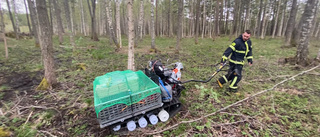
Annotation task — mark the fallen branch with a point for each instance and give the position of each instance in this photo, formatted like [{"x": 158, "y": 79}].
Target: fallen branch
[
  {"x": 27, "y": 119},
  {"x": 76, "y": 101},
  {"x": 227, "y": 124},
  {"x": 47, "y": 133},
  {"x": 229, "y": 106},
  {"x": 268, "y": 79},
  {"x": 1, "y": 112}
]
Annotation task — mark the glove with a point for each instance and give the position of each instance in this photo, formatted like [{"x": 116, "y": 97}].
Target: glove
[{"x": 223, "y": 61}]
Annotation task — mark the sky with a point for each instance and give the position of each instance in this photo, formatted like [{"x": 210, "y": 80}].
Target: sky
[{"x": 19, "y": 3}]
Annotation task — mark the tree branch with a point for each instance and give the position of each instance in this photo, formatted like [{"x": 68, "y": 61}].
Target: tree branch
[{"x": 229, "y": 106}]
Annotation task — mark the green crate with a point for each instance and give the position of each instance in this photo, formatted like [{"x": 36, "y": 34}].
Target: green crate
[{"x": 122, "y": 87}]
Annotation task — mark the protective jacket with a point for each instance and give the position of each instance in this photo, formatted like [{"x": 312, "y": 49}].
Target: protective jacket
[{"x": 239, "y": 49}]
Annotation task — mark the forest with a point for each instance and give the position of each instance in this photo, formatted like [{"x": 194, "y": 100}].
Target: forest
[{"x": 51, "y": 52}]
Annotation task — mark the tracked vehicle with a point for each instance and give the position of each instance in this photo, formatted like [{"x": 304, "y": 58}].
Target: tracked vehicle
[{"x": 131, "y": 99}]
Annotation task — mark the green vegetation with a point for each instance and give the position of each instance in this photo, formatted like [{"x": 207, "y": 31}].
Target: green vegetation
[{"x": 292, "y": 109}]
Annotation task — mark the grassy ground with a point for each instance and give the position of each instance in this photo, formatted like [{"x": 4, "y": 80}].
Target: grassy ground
[{"x": 292, "y": 109}]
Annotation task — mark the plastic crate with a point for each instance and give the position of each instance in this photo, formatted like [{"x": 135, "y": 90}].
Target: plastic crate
[
  {"x": 121, "y": 87},
  {"x": 114, "y": 113},
  {"x": 149, "y": 103}
]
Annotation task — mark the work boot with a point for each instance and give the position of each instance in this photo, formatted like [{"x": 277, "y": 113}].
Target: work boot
[
  {"x": 220, "y": 85},
  {"x": 232, "y": 90}
]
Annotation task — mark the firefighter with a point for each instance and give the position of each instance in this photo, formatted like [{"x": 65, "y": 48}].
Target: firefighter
[{"x": 239, "y": 49}]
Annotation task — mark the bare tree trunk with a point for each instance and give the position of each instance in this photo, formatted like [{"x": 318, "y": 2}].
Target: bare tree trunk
[
  {"x": 111, "y": 31},
  {"x": 141, "y": 14},
  {"x": 94, "y": 35},
  {"x": 258, "y": 29},
  {"x": 16, "y": 15},
  {"x": 282, "y": 18},
  {"x": 303, "y": 48},
  {"x": 59, "y": 21},
  {"x": 248, "y": 14},
  {"x": 317, "y": 31},
  {"x": 216, "y": 19},
  {"x": 68, "y": 18},
  {"x": 314, "y": 19},
  {"x": 82, "y": 19},
  {"x": 72, "y": 18},
  {"x": 235, "y": 14},
  {"x": 276, "y": 19},
  {"x": 197, "y": 21},
  {"x": 131, "y": 64},
  {"x": 118, "y": 23},
  {"x": 50, "y": 15},
  {"x": 318, "y": 56},
  {"x": 3, "y": 33},
  {"x": 169, "y": 20},
  {"x": 227, "y": 17},
  {"x": 291, "y": 23},
  {"x": 180, "y": 12},
  {"x": 265, "y": 19},
  {"x": 204, "y": 17},
  {"x": 152, "y": 26},
  {"x": 45, "y": 36},
  {"x": 34, "y": 22},
  {"x": 190, "y": 18},
  {"x": 210, "y": 23},
  {"x": 221, "y": 23},
  {"x": 27, "y": 14},
  {"x": 12, "y": 21},
  {"x": 156, "y": 23}
]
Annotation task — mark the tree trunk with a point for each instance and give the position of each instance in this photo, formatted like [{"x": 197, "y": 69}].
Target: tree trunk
[
  {"x": 291, "y": 22},
  {"x": 45, "y": 36},
  {"x": 216, "y": 19},
  {"x": 180, "y": 16},
  {"x": 68, "y": 18},
  {"x": 131, "y": 64},
  {"x": 204, "y": 17},
  {"x": 169, "y": 19},
  {"x": 50, "y": 14},
  {"x": 152, "y": 26},
  {"x": 265, "y": 19},
  {"x": 258, "y": 29},
  {"x": 27, "y": 14},
  {"x": 111, "y": 31},
  {"x": 59, "y": 21},
  {"x": 34, "y": 22},
  {"x": 221, "y": 23},
  {"x": 314, "y": 19},
  {"x": 227, "y": 17},
  {"x": 156, "y": 23},
  {"x": 282, "y": 18},
  {"x": 190, "y": 18},
  {"x": 317, "y": 31},
  {"x": 235, "y": 19},
  {"x": 12, "y": 21},
  {"x": 276, "y": 19},
  {"x": 83, "y": 28},
  {"x": 303, "y": 48},
  {"x": 197, "y": 21},
  {"x": 3, "y": 33},
  {"x": 139, "y": 36},
  {"x": 118, "y": 23},
  {"x": 248, "y": 13},
  {"x": 318, "y": 56},
  {"x": 72, "y": 11},
  {"x": 16, "y": 16},
  {"x": 94, "y": 35}
]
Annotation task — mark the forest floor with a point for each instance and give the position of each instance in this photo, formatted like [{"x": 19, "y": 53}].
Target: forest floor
[{"x": 291, "y": 109}]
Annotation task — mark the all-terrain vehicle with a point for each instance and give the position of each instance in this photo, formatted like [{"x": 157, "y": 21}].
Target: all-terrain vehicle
[{"x": 127, "y": 98}]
